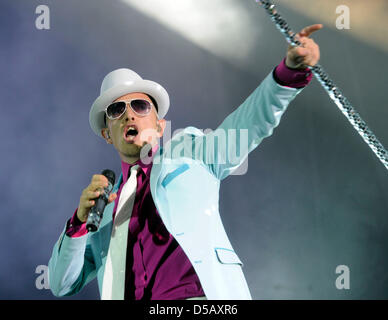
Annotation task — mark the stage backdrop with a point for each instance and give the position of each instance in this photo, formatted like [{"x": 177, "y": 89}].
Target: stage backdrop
[{"x": 314, "y": 197}]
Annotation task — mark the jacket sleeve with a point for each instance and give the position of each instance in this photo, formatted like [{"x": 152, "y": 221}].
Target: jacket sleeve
[
  {"x": 224, "y": 149},
  {"x": 71, "y": 265}
]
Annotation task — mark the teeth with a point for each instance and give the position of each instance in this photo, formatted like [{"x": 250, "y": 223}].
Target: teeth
[{"x": 129, "y": 129}]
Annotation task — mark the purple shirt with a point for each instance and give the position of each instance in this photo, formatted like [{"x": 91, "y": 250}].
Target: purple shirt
[
  {"x": 157, "y": 267},
  {"x": 291, "y": 77}
]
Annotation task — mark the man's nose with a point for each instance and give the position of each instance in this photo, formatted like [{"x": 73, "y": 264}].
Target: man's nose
[{"x": 129, "y": 114}]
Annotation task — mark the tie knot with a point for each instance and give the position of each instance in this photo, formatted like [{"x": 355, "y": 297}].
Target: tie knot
[{"x": 134, "y": 169}]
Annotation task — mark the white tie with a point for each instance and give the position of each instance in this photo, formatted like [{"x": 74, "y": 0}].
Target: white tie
[{"x": 113, "y": 284}]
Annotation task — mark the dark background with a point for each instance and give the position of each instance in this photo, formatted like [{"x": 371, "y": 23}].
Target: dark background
[{"x": 314, "y": 196}]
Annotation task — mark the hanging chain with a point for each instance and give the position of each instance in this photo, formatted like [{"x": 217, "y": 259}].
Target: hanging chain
[{"x": 334, "y": 92}]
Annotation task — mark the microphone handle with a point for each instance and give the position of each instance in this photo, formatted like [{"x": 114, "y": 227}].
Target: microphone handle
[{"x": 96, "y": 212}]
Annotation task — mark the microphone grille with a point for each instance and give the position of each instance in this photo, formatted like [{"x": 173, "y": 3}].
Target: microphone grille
[{"x": 110, "y": 175}]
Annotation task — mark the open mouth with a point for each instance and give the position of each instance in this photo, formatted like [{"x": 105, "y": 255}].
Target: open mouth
[{"x": 130, "y": 132}]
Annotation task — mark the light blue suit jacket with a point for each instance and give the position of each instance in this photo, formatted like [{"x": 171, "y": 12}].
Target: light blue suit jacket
[{"x": 185, "y": 181}]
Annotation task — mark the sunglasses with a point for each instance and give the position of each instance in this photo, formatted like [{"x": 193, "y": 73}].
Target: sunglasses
[{"x": 116, "y": 109}]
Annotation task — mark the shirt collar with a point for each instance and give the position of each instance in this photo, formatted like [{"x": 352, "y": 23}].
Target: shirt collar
[{"x": 126, "y": 167}]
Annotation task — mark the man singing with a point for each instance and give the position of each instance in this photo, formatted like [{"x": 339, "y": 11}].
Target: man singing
[{"x": 161, "y": 236}]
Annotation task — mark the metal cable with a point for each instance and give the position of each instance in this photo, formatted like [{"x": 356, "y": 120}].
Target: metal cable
[{"x": 334, "y": 92}]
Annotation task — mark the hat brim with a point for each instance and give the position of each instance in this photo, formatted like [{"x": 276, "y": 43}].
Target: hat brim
[{"x": 96, "y": 114}]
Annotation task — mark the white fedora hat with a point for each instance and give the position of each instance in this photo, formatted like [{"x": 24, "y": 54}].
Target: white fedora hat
[{"x": 118, "y": 83}]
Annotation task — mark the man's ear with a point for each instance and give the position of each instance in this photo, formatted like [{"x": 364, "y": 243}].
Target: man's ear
[
  {"x": 106, "y": 135},
  {"x": 160, "y": 126}
]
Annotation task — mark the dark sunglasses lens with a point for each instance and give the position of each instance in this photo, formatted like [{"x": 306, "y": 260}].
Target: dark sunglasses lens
[
  {"x": 141, "y": 106},
  {"x": 116, "y": 109}
]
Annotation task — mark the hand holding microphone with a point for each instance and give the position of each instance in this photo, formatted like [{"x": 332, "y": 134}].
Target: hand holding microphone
[{"x": 95, "y": 197}]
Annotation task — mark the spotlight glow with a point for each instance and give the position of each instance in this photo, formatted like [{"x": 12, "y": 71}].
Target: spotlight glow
[{"x": 219, "y": 26}]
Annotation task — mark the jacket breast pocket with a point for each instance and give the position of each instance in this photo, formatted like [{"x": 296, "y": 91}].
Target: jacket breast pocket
[
  {"x": 227, "y": 256},
  {"x": 172, "y": 175}
]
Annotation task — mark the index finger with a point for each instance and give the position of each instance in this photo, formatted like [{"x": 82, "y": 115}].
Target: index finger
[
  {"x": 96, "y": 185},
  {"x": 99, "y": 177},
  {"x": 305, "y": 32}
]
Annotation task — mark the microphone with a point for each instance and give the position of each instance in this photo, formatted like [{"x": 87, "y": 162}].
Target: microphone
[{"x": 95, "y": 214}]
